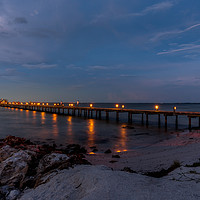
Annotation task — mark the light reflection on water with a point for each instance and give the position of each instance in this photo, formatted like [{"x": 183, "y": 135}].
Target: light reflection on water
[
  {"x": 55, "y": 125},
  {"x": 43, "y": 117},
  {"x": 64, "y": 129},
  {"x": 91, "y": 132}
]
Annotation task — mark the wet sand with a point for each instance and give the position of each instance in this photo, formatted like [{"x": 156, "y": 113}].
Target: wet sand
[{"x": 184, "y": 148}]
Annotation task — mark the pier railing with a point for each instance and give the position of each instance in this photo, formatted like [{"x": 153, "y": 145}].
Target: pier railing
[{"x": 94, "y": 112}]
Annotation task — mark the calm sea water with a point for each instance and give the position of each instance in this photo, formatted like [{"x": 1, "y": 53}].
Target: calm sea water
[{"x": 62, "y": 129}]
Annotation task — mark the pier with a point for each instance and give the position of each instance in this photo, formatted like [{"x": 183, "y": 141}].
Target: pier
[{"x": 96, "y": 113}]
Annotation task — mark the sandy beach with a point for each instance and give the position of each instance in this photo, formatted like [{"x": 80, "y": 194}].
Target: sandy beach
[{"x": 184, "y": 148}]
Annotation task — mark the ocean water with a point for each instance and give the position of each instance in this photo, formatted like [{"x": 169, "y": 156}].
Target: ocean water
[{"x": 63, "y": 129}]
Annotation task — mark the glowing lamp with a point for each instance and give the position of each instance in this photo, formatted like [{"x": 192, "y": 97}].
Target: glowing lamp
[
  {"x": 47, "y": 104},
  {"x": 156, "y": 107},
  {"x": 54, "y": 104},
  {"x": 122, "y": 106},
  {"x": 21, "y": 103},
  {"x": 174, "y": 108},
  {"x": 91, "y": 105},
  {"x": 117, "y": 105},
  {"x": 43, "y": 104}
]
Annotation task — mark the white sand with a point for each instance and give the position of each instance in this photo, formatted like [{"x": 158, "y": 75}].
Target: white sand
[{"x": 99, "y": 182}]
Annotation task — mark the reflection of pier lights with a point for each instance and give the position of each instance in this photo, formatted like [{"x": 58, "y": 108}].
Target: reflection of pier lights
[
  {"x": 34, "y": 114},
  {"x": 43, "y": 117},
  {"x": 69, "y": 128},
  {"x": 55, "y": 125},
  {"x": 123, "y": 138},
  {"x": 91, "y": 132},
  {"x": 54, "y": 117}
]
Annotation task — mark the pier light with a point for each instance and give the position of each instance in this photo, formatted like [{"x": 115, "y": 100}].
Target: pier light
[
  {"x": 47, "y": 104},
  {"x": 43, "y": 104},
  {"x": 117, "y": 105},
  {"x": 21, "y": 103},
  {"x": 38, "y": 104},
  {"x": 122, "y": 106},
  {"x": 26, "y": 103},
  {"x": 57, "y": 104},
  {"x": 174, "y": 108},
  {"x": 91, "y": 105},
  {"x": 54, "y": 104},
  {"x": 156, "y": 107}
]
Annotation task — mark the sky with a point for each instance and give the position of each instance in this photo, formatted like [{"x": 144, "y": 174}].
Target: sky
[{"x": 100, "y": 50}]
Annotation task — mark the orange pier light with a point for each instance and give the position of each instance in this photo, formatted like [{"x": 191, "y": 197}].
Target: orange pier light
[{"x": 156, "y": 107}]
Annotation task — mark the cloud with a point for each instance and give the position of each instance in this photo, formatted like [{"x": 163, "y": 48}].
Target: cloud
[
  {"x": 127, "y": 75},
  {"x": 8, "y": 72},
  {"x": 181, "y": 48},
  {"x": 72, "y": 66},
  {"x": 98, "y": 67},
  {"x": 173, "y": 32},
  {"x": 150, "y": 9},
  {"x": 39, "y": 66},
  {"x": 20, "y": 20},
  {"x": 34, "y": 13}
]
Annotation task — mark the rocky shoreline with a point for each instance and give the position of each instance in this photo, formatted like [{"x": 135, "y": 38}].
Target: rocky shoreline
[
  {"x": 24, "y": 164},
  {"x": 30, "y": 171}
]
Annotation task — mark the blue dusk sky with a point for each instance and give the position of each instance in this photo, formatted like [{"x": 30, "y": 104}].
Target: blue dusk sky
[{"x": 100, "y": 50}]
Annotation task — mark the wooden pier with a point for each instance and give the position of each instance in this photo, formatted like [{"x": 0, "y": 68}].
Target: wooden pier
[{"x": 94, "y": 112}]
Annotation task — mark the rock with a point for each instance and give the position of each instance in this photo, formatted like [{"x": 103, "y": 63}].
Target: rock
[
  {"x": 112, "y": 161},
  {"x": 13, "y": 141},
  {"x": 75, "y": 149},
  {"x": 128, "y": 169},
  {"x": 93, "y": 147},
  {"x": 50, "y": 162},
  {"x": 95, "y": 150},
  {"x": 13, "y": 195},
  {"x": 14, "y": 168},
  {"x": 6, "y": 151},
  {"x": 47, "y": 164},
  {"x": 5, "y": 190},
  {"x": 115, "y": 156},
  {"x": 108, "y": 151}
]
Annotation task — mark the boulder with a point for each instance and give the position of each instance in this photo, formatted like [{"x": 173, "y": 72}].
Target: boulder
[
  {"x": 6, "y": 151},
  {"x": 13, "y": 170},
  {"x": 48, "y": 164},
  {"x": 51, "y": 161},
  {"x": 13, "y": 195}
]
